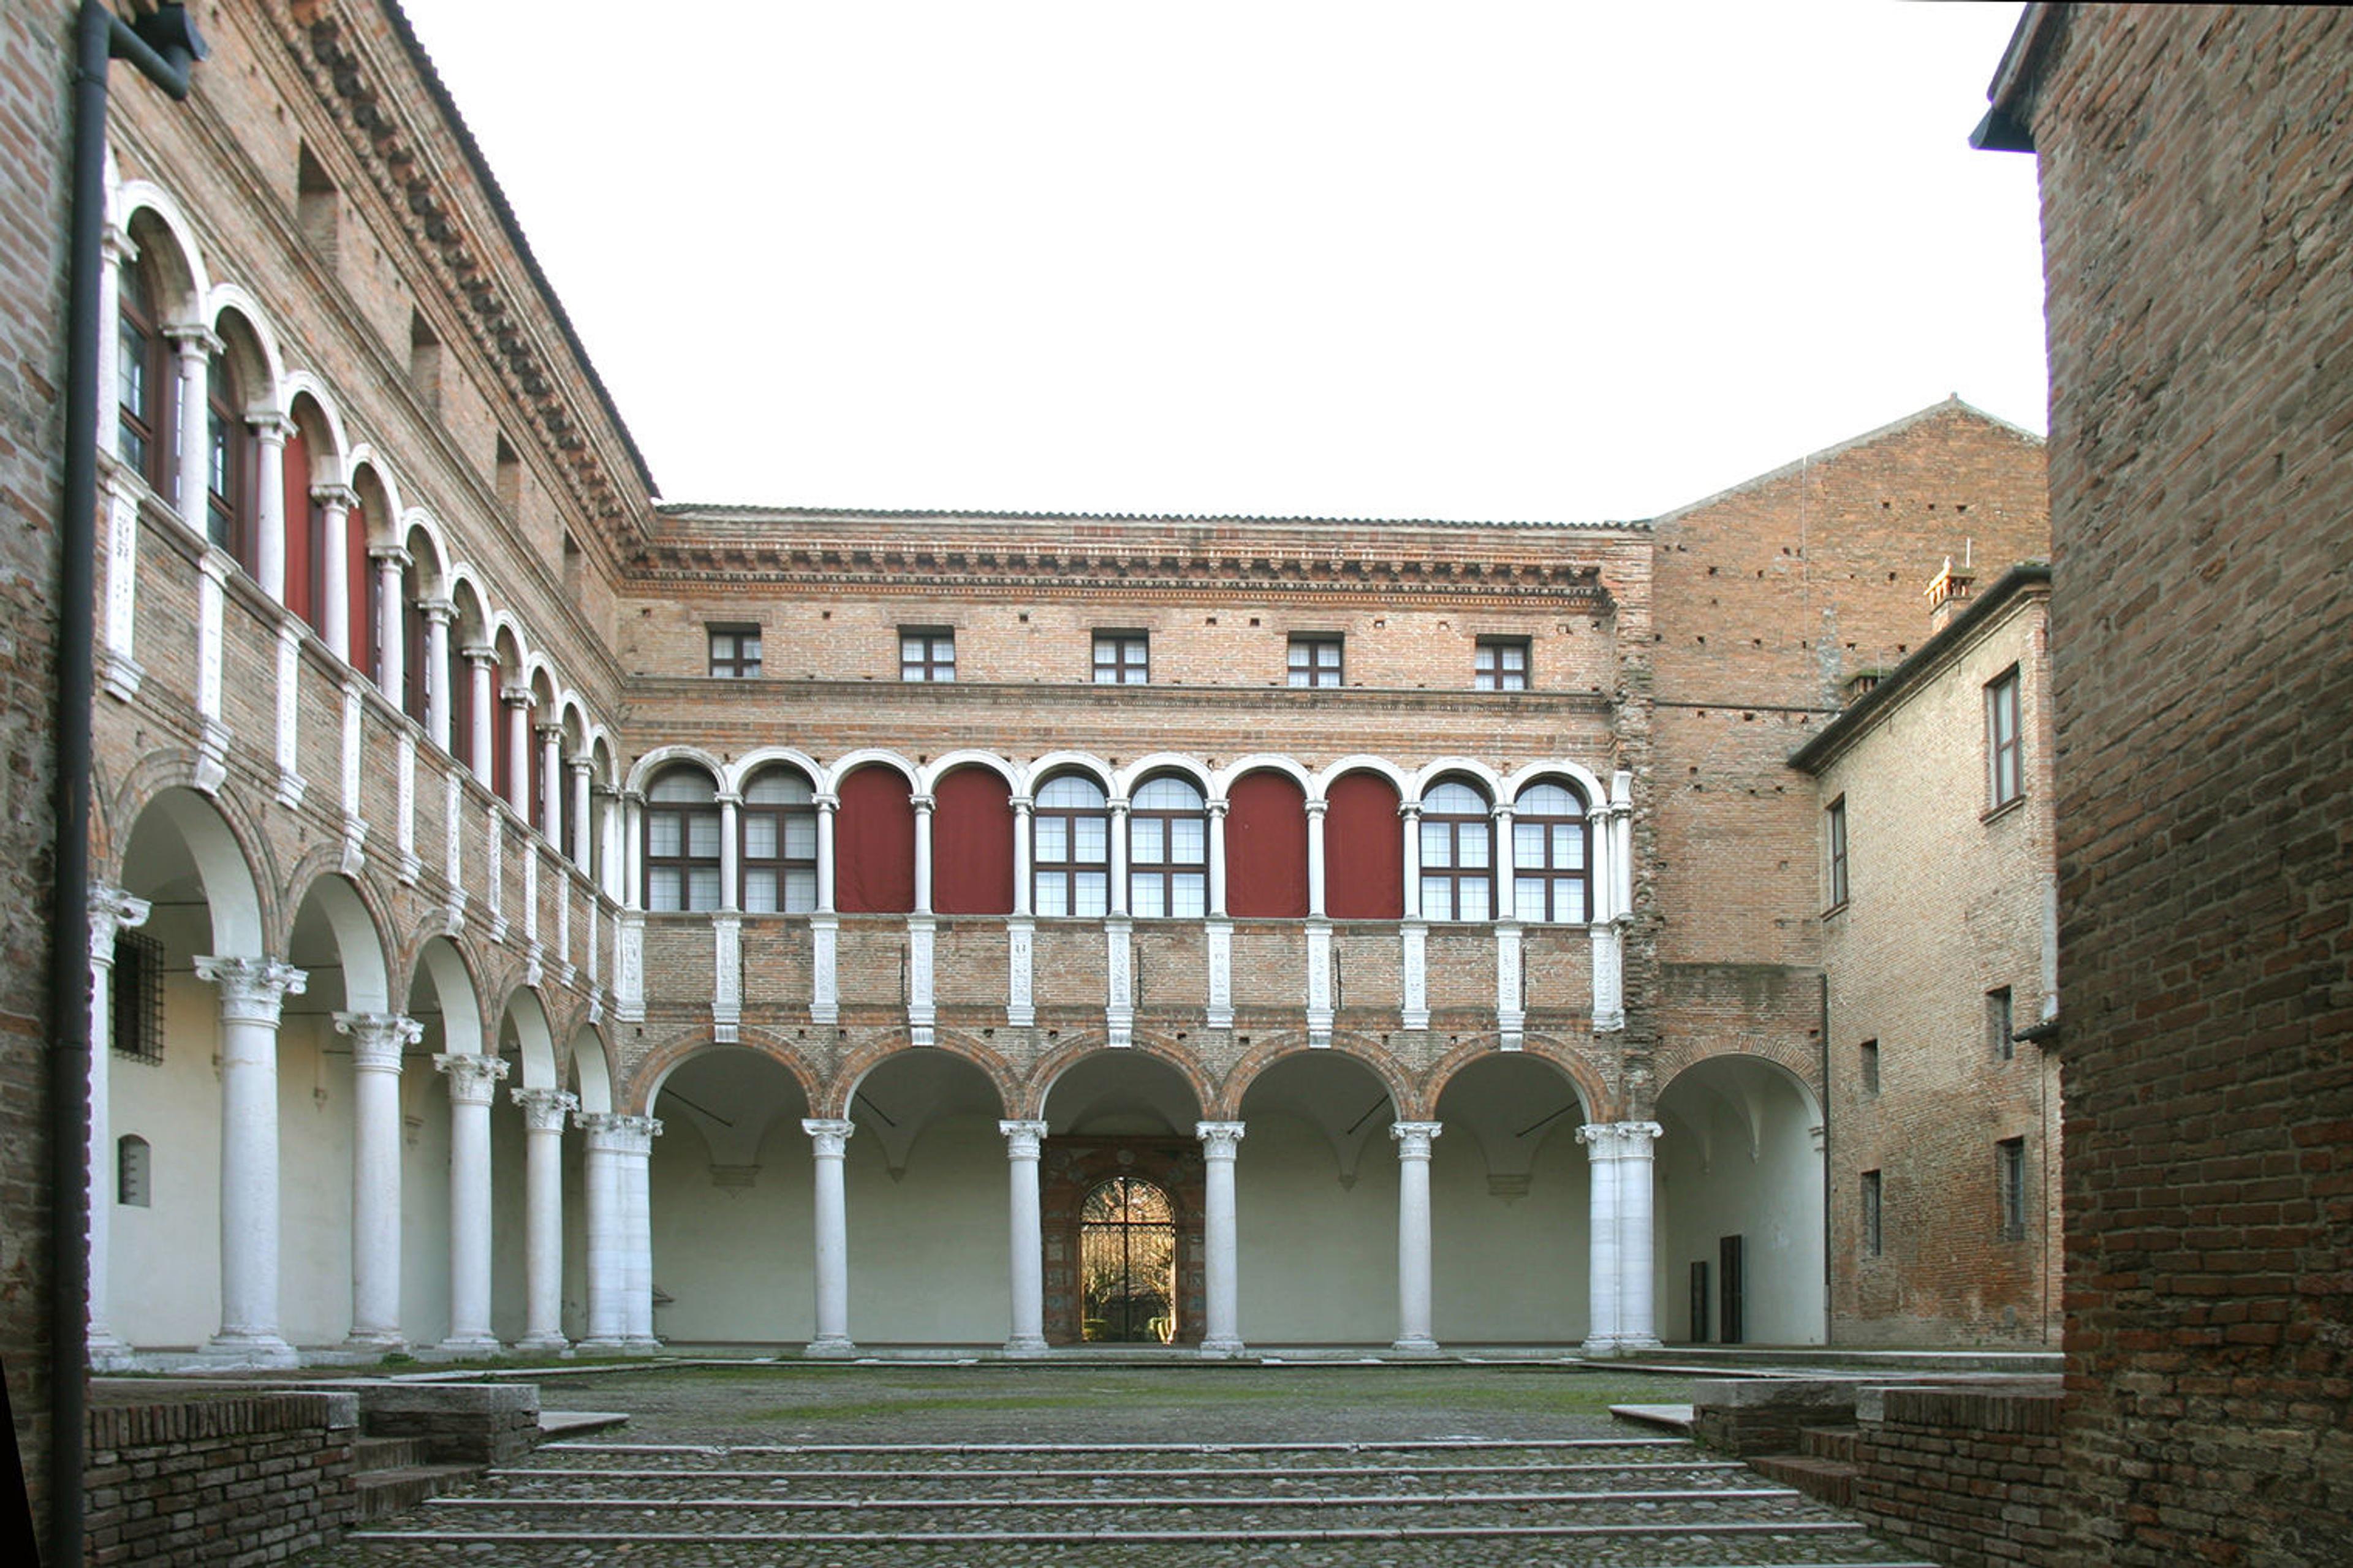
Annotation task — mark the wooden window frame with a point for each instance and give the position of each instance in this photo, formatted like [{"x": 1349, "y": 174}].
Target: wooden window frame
[
  {"x": 780, "y": 864},
  {"x": 2005, "y": 745},
  {"x": 1875, "y": 1215},
  {"x": 1122, "y": 659},
  {"x": 1554, "y": 879},
  {"x": 921, "y": 656},
  {"x": 1453, "y": 873},
  {"x": 229, "y": 514},
  {"x": 1165, "y": 873},
  {"x": 735, "y": 664},
  {"x": 1067, "y": 869},
  {"x": 685, "y": 862},
  {"x": 1304, "y": 663},
  {"x": 1489, "y": 669},
  {"x": 1836, "y": 827},
  {"x": 146, "y": 418},
  {"x": 2000, "y": 1020}
]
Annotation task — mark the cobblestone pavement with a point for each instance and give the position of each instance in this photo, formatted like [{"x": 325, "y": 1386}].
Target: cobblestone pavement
[{"x": 1075, "y": 1465}]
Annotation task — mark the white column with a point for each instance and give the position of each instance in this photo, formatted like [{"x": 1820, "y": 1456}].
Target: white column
[
  {"x": 377, "y": 1041},
  {"x": 335, "y": 503},
  {"x": 1637, "y": 1319},
  {"x": 830, "y": 1140},
  {"x": 1600, "y": 1140},
  {"x": 1220, "y": 1262},
  {"x": 269, "y": 434},
  {"x": 115, "y": 245},
  {"x": 1413, "y": 1140},
  {"x": 472, "y": 1081},
  {"x": 519, "y": 700},
  {"x": 608, "y": 1325},
  {"x": 1118, "y": 820},
  {"x": 633, "y": 1179},
  {"x": 479, "y": 660},
  {"x": 730, "y": 874},
  {"x": 1315, "y": 895},
  {"x": 827, "y": 804},
  {"x": 1621, "y": 840},
  {"x": 923, "y": 804},
  {"x": 392, "y": 563},
  {"x": 193, "y": 348},
  {"x": 632, "y": 892},
  {"x": 583, "y": 824},
  {"x": 551, "y": 784},
  {"x": 1023, "y": 888},
  {"x": 1020, "y": 935},
  {"x": 1217, "y": 858},
  {"x": 111, "y": 911},
  {"x": 252, "y": 991},
  {"x": 213, "y": 569},
  {"x": 1028, "y": 1244},
  {"x": 438, "y": 613},
  {"x": 544, "y": 1111},
  {"x": 1410, "y": 814}
]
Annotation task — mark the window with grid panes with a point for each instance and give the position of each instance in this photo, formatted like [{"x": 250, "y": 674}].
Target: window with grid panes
[
  {"x": 1069, "y": 843},
  {"x": 228, "y": 485},
  {"x": 1999, "y": 1025},
  {"x": 926, "y": 654},
  {"x": 1835, "y": 822},
  {"x": 1500, "y": 664},
  {"x": 1315, "y": 660},
  {"x": 1874, "y": 1237},
  {"x": 1458, "y": 861},
  {"x": 1169, "y": 851},
  {"x": 2009, "y": 1172},
  {"x": 142, "y": 378},
  {"x": 778, "y": 826},
  {"x": 2005, "y": 779},
  {"x": 1122, "y": 658},
  {"x": 734, "y": 652},
  {"x": 683, "y": 843},
  {"x": 1549, "y": 845}
]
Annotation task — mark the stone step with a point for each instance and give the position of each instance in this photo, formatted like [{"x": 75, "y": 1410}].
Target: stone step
[
  {"x": 1827, "y": 1443},
  {"x": 390, "y": 1491},
  {"x": 1825, "y": 1480},
  {"x": 387, "y": 1453}
]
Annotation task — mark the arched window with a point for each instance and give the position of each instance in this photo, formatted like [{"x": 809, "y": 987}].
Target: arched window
[
  {"x": 1548, "y": 860},
  {"x": 1071, "y": 842},
  {"x": 142, "y": 378},
  {"x": 972, "y": 844},
  {"x": 683, "y": 842},
  {"x": 228, "y": 481},
  {"x": 1458, "y": 862},
  {"x": 1364, "y": 853},
  {"x": 134, "y": 1176},
  {"x": 778, "y": 824},
  {"x": 1266, "y": 846},
  {"x": 1169, "y": 851}
]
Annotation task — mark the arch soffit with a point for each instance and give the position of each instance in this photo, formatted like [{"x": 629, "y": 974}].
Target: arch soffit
[
  {"x": 229, "y": 298},
  {"x": 1404, "y": 1098},
  {"x": 1310, "y": 785},
  {"x": 444, "y": 965},
  {"x": 1592, "y": 1092},
  {"x": 465, "y": 585},
  {"x": 929, "y": 775},
  {"x": 732, "y": 779},
  {"x": 1360, "y": 763},
  {"x": 863, "y": 1063},
  {"x": 502, "y": 626},
  {"x": 1038, "y": 1086},
  {"x": 1444, "y": 767},
  {"x": 1038, "y": 772},
  {"x": 356, "y": 917},
  {"x": 365, "y": 457},
  {"x": 533, "y": 1033},
  {"x": 432, "y": 561},
  {"x": 299, "y": 386},
  {"x": 133, "y": 197},
  {"x": 643, "y": 1087},
  {"x": 1796, "y": 1080},
  {"x": 594, "y": 1068},
  {"x": 222, "y": 837},
  {"x": 850, "y": 762},
  {"x": 538, "y": 674},
  {"x": 642, "y": 772},
  {"x": 1189, "y": 769},
  {"x": 1587, "y": 785}
]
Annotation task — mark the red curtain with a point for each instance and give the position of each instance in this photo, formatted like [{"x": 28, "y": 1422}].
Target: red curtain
[
  {"x": 412, "y": 672},
  {"x": 361, "y": 586},
  {"x": 875, "y": 845},
  {"x": 972, "y": 844},
  {"x": 1266, "y": 846},
  {"x": 1364, "y": 850},
  {"x": 460, "y": 676},
  {"x": 300, "y": 555},
  {"x": 501, "y": 745}
]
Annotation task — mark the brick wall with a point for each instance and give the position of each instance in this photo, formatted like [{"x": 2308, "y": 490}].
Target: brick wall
[
  {"x": 256, "y": 1478},
  {"x": 1968, "y": 1477},
  {"x": 2194, "y": 164}
]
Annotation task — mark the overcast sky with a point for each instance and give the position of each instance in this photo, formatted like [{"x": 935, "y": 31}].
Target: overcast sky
[{"x": 1283, "y": 256}]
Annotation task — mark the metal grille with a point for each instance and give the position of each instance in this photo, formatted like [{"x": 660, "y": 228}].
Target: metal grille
[
  {"x": 138, "y": 996},
  {"x": 1128, "y": 1260}
]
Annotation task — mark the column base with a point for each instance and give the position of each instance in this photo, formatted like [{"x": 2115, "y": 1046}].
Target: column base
[
  {"x": 833, "y": 1347},
  {"x": 470, "y": 1345},
  {"x": 1415, "y": 1344},
  {"x": 602, "y": 1344},
  {"x": 1218, "y": 1350},
  {"x": 543, "y": 1345},
  {"x": 250, "y": 1350},
  {"x": 108, "y": 1353},
  {"x": 374, "y": 1342},
  {"x": 1026, "y": 1345},
  {"x": 640, "y": 1344},
  {"x": 1620, "y": 1344}
]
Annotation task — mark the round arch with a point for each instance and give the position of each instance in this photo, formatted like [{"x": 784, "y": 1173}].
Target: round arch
[
  {"x": 929, "y": 775},
  {"x": 1190, "y": 769}
]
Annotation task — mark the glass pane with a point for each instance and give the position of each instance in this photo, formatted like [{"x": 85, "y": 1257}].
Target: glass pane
[
  {"x": 662, "y": 888},
  {"x": 1436, "y": 899},
  {"x": 674, "y": 787},
  {"x": 722, "y": 644},
  {"x": 1144, "y": 837},
  {"x": 760, "y": 892},
  {"x": 1452, "y": 799},
  {"x": 1070, "y": 790},
  {"x": 1191, "y": 838},
  {"x": 1528, "y": 845},
  {"x": 1476, "y": 903},
  {"x": 1568, "y": 898},
  {"x": 760, "y": 836},
  {"x": 776, "y": 787},
  {"x": 1091, "y": 840},
  {"x": 1548, "y": 800},
  {"x": 944, "y": 650},
  {"x": 702, "y": 888},
  {"x": 702, "y": 836},
  {"x": 748, "y": 649},
  {"x": 1528, "y": 898},
  {"x": 1189, "y": 896},
  {"x": 1094, "y": 893},
  {"x": 1471, "y": 836},
  {"x": 1301, "y": 678},
  {"x": 800, "y": 892},
  {"x": 800, "y": 837},
  {"x": 1054, "y": 838},
  {"x": 1483, "y": 658},
  {"x": 1169, "y": 794},
  {"x": 1143, "y": 897},
  {"x": 1302, "y": 655},
  {"x": 1327, "y": 656},
  {"x": 1567, "y": 847},
  {"x": 1053, "y": 894},
  {"x": 663, "y": 833},
  {"x": 1437, "y": 844},
  {"x": 1516, "y": 655}
]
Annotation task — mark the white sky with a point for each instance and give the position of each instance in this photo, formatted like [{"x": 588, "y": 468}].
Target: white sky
[{"x": 1270, "y": 257}]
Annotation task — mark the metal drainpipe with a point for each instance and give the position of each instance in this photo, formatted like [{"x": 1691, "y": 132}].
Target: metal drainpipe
[{"x": 164, "y": 46}]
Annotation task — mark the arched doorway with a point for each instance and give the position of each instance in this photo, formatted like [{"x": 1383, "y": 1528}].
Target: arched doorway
[
  {"x": 1115, "y": 1116},
  {"x": 1740, "y": 1205},
  {"x": 1127, "y": 1263}
]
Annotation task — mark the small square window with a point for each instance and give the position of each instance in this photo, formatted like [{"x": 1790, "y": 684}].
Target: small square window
[
  {"x": 1873, "y": 1234},
  {"x": 1836, "y": 825},
  {"x": 1870, "y": 1067},
  {"x": 1500, "y": 664},
  {"x": 927, "y": 653},
  {"x": 734, "y": 652},
  {"x": 2005, "y": 776},
  {"x": 1999, "y": 1025},
  {"x": 1122, "y": 659},
  {"x": 2009, "y": 1174},
  {"x": 1314, "y": 660}
]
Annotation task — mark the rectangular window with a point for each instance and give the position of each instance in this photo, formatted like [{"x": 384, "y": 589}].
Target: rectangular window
[
  {"x": 1122, "y": 658},
  {"x": 1874, "y": 1236},
  {"x": 926, "y": 653},
  {"x": 1500, "y": 664},
  {"x": 1870, "y": 1067},
  {"x": 1998, "y": 1024},
  {"x": 1837, "y": 826},
  {"x": 1314, "y": 660},
  {"x": 734, "y": 652},
  {"x": 138, "y": 996},
  {"x": 2005, "y": 781},
  {"x": 2009, "y": 1174}
]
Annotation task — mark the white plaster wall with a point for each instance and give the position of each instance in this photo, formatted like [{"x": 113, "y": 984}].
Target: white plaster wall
[
  {"x": 165, "y": 1258},
  {"x": 736, "y": 1260},
  {"x": 1509, "y": 1270},
  {"x": 1318, "y": 1260},
  {"x": 314, "y": 1181},
  {"x": 424, "y": 1196},
  {"x": 1710, "y": 1187},
  {"x": 576, "y": 1233},
  {"x": 928, "y": 1251},
  {"x": 508, "y": 1211}
]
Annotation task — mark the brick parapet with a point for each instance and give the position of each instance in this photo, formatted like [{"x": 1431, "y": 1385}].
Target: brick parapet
[{"x": 236, "y": 1478}]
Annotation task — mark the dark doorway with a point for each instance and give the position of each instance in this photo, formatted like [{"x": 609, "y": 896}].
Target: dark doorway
[
  {"x": 1731, "y": 1288},
  {"x": 1127, "y": 1263},
  {"x": 1699, "y": 1301}
]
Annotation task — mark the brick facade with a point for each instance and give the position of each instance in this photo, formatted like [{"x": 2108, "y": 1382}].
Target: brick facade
[
  {"x": 2193, "y": 165},
  {"x": 252, "y": 1478}
]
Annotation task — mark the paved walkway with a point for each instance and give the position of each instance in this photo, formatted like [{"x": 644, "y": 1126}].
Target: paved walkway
[{"x": 1314, "y": 1466}]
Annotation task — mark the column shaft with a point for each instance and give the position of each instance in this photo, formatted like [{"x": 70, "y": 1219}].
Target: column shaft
[
  {"x": 544, "y": 1111},
  {"x": 1413, "y": 1140},
  {"x": 830, "y": 1139},
  {"x": 1028, "y": 1239},
  {"x": 252, "y": 991},
  {"x": 377, "y": 1041},
  {"x": 1220, "y": 1262},
  {"x": 472, "y": 1081}
]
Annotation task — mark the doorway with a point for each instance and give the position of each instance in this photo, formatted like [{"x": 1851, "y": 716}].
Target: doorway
[{"x": 1127, "y": 1263}]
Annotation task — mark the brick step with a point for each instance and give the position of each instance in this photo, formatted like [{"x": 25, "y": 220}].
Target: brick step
[
  {"x": 388, "y": 1491},
  {"x": 387, "y": 1453},
  {"x": 1824, "y": 1481},
  {"x": 1827, "y": 1443}
]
